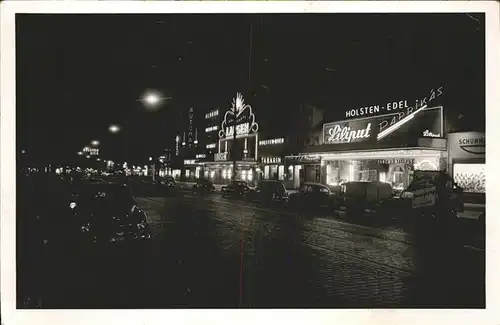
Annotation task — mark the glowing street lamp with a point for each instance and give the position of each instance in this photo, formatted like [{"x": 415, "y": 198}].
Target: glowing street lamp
[
  {"x": 114, "y": 128},
  {"x": 95, "y": 143},
  {"x": 153, "y": 99},
  {"x": 80, "y": 153}
]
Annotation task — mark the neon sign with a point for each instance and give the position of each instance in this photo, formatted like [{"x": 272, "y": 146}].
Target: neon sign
[
  {"x": 241, "y": 129},
  {"x": 428, "y": 133},
  {"x": 339, "y": 134},
  {"x": 393, "y": 106},
  {"x": 190, "y": 133},
  {"x": 241, "y": 115},
  {"x": 177, "y": 140},
  {"x": 211, "y": 114},
  {"x": 91, "y": 151},
  {"x": 271, "y": 160},
  {"x": 271, "y": 141},
  {"x": 211, "y": 128}
]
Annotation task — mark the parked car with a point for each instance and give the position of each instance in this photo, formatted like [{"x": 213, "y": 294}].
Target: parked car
[
  {"x": 235, "y": 189},
  {"x": 168, "y": 181},
  {"x": 404, "y": 203},
  {"x": 268, "y": 191},
  {"x": 203, "y": 186},
  {"x": 313, "y": 196},
  {"x": 360, "y": 198}
]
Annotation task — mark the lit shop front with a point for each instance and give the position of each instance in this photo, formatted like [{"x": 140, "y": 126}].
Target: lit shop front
[
  {"x": 467, "y": 160},
  {"x": 272, "y": 158},
  {"x": 192, "y": 169},
  {"x": 244, "y": 149},
  {"x": 388, "y": 147},
  {"x": 302, "y": 168}
]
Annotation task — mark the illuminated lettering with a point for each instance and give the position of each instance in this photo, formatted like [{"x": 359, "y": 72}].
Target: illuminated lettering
[
  {"x": 346, "y": 134},
  {"x": 271, "y": 142}
]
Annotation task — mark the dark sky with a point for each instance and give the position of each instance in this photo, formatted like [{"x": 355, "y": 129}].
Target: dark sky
[{"x": 76, "y": 74}]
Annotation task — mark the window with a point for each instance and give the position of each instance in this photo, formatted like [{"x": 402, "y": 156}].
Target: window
[{"x": 470, "y": 177}]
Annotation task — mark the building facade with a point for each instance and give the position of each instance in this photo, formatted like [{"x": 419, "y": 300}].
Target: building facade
[{"x": 375, "y": 143}]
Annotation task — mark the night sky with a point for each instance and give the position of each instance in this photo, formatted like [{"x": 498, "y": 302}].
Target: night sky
[{"x": 76, "y": 74}]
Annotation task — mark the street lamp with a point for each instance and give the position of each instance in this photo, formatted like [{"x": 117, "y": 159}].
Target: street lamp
[
  {"x": 114, "y": 128},
  {"x": 95, "y": 143},
  {"x": 153, "y": 99},
  {"x": 80, "y": 153}
]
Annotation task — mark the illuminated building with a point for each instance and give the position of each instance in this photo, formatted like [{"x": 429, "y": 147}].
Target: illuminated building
[{"x": 385, "y": 143}]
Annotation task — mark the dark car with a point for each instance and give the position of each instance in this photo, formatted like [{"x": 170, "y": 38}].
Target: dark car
[
  {"x": 363, "y": 198},
  {"x": 168, "y": 181},
  {"x": 268, "y": 191},
  {"x": 314, "y": 196},
  {"x": 107, "y": 213},
  {"x": 203, "y": 186},
  {"x": 235, "y": 189},
  {"x": 88, "y": 235}
]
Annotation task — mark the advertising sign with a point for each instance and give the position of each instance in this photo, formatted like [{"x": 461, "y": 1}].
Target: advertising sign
[
  {"x": 424, "y": 197},
  {"x": 303, "y": 160},
  {"x": 190, "y": 129},
  {"x": 466, "y": 145},
  {"x": 91, "y": 151},
  {"x": 270, "y": 160},
  {"x": 241, "y": 115},
  {"x": 221, "y": 156},
  {"x": 394, "y": 106},
  {"x": 405, "y": 124}
]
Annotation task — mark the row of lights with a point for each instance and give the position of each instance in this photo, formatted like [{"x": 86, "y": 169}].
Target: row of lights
[{"x": 152, "y": 100}]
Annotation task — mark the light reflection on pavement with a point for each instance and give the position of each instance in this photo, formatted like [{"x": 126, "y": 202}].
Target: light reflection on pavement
[{"x": 253, "y": 256}]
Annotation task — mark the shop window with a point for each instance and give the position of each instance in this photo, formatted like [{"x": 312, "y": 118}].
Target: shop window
[
  {"x": 266, "y": 172},
  {"x": 332, "y": 174},
  {"x": 470, "y": 177},
  {"x": 398, "y": 178},
  {"x": 281, "y": 172},
  {"x": 382, "y": 177}
]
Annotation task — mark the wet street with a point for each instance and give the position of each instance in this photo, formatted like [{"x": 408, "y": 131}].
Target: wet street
[{"x": 209, "y": 251}]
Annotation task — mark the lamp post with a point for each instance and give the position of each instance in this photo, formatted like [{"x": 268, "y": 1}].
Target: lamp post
[{"x": 233, "y": 149}]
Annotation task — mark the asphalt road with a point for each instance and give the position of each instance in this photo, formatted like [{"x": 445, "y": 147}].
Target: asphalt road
[{"x": 210, "y": 251}]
